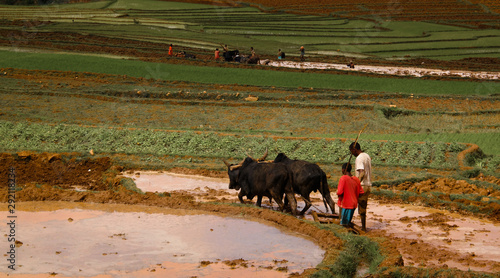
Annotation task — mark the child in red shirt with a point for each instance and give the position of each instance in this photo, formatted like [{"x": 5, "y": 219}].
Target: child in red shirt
[{"x": 348, "y": 191}]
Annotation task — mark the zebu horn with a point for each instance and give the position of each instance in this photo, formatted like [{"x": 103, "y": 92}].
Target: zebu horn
[
  {"x": 263, "y": 157},
  {"x": 234, "y": 167},
  {"x": 251, "y": 157},
  {"x": 259, "y": 159}
]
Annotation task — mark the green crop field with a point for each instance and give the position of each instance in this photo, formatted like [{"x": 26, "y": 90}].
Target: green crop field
[
  {"x": 62, "y": 138},
  {"x": 205, "y": 27},
  {"x": 220, "y": 75},
  {"x": 311, "y": 104}
]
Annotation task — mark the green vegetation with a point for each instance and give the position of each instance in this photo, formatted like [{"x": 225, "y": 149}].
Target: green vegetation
[
  {"x": 221, "y": 75},
  {"x": 64, "y": 138},
  {"x": 205, "y": 27},
  {"x": 357, "y": 251},
  {"x": 488, "y": 142}
]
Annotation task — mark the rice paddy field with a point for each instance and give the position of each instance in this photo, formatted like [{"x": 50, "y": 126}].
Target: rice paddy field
[{"x": 92, "y": 83}]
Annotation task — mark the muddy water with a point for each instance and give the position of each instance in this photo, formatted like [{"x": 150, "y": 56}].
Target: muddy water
[
  {"x": 90, "y": 242},
  {"x": 457, "y": 233},
  {"x": 404, "y": 71},
  {"x": 160, "y": 182}
]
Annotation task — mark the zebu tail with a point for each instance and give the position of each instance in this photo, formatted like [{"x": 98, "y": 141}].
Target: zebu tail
[{"x": 325, "y": 192}]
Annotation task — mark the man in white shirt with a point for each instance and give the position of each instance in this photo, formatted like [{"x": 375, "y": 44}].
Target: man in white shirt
[{"x": 363, "y": 170}]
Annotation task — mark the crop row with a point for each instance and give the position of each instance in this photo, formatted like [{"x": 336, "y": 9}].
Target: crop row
[
  {"x": 206, "y": 26},
  {"x": 65, "y": 138}
]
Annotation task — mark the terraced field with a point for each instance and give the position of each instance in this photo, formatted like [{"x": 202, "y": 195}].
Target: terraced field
[
  {"x": 89, "y": 93},
  {"x": 361, "y": 30}
]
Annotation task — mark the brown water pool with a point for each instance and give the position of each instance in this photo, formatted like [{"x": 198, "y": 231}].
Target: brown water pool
[{"x": 134, "y": 242}]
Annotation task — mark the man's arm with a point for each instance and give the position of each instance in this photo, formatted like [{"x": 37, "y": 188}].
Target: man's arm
[{"x": 361, "y": 174}]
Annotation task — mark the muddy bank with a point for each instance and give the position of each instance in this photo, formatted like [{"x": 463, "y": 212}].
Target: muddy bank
[{"x": 65, "y": 170}]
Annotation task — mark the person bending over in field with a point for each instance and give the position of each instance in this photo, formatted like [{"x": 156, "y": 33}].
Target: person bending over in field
[{"x": 348, "y": 191}]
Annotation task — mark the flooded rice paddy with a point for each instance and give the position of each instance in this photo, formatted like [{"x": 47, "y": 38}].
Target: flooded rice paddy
[
  {"x": 104, "y": 240},
  {"x": 458, "y": 237},
  {"x": 71, "y": 239}
]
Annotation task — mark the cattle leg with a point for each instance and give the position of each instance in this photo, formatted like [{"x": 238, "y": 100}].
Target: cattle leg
[
  {"x": 278, "y": 200},
  {"x": 240, "y": 196},
  {"x": 293, "y": 203},
  {"x": 308, "y": 204},
  {"x": 259, "y": 201}
]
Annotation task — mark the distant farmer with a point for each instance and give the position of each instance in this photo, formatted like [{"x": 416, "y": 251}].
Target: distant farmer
[
  {"x": 217, "y": 54},
  {"x": 170, "y": 50},
  {"x": 302, "y": 53},
  {"x": 363, "y": 171},
  {"x": 280, "y": 54},
  {"x": 252, "y": 51},
  {"x": 348, "y": 191}
]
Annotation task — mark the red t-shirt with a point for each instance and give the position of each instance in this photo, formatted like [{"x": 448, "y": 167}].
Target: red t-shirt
[{"x": 348, "y": 192}]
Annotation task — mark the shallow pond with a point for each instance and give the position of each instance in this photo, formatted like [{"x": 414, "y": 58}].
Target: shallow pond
[{"x": 90, "y": 243}]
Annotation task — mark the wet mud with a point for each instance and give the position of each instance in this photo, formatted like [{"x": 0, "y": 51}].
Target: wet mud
[
  {"x": 455, "y": 240},
  {"x": 407, "y": 234}
]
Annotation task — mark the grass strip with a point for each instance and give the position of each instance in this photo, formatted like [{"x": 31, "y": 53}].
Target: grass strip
[
  {"x": 357, "y": 250},
  {"x": 222, "y": 75}
]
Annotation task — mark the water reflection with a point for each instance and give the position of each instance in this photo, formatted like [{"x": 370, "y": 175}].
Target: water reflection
[{"x": 75, "y": 242}]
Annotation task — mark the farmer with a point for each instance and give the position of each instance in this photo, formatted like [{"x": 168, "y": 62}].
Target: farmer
[
  {"x": 302, "y": 53},
  {"x": 351, "y": 64},
  {"x": 170, "y": 50},
  {"x": 252, "y": 55},
  {"x": 348, "y": 191},
  {"x": 217, "y": 54},
  {"x": 363, "y": 171},
  {"x": 280, "y": 54}
]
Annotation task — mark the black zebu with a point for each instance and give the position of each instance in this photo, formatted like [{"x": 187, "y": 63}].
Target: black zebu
[
  {"x": 307, "y": 177},
  {"x": 262, "y": 179},
  {"x": 229, "y": 55}
]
